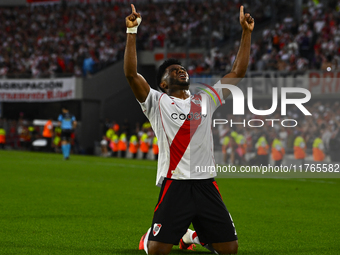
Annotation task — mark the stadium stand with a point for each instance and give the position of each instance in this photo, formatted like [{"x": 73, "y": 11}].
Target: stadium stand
[
  {"x": 88, "y": 38},
  {"x": 81, "y": 39}
]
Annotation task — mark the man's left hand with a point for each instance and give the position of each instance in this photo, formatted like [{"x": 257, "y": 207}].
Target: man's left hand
[{"x": 246, "y": 21}]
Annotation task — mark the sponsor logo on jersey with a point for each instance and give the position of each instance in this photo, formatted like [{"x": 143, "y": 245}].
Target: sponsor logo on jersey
[{"x": 189, "y": 116}]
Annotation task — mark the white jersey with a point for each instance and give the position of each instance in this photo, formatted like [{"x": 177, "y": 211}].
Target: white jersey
[{"x": 185, "y": 138}]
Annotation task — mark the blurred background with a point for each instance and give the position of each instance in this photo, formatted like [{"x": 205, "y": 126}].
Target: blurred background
[{"x": 70, "y": 53}]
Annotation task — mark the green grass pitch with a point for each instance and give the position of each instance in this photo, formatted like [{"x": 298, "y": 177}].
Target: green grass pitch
[{"x": 93, "y": 205}]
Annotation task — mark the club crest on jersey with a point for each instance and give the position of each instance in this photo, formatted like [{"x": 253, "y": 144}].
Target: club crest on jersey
[
  {"x": 156, "y": 228},
  {"x": 196, "y": 99}
]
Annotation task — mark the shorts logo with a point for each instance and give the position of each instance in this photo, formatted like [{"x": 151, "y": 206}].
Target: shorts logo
[{"x": 156, "y": 228}]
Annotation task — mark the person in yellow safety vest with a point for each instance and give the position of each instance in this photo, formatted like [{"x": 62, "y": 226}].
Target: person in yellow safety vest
[
  {"x": 108, "y": 136},
  {"x": 114, "y": 145},
  {"x": 299, "y": 148},
  {"x": 262, "y": 150},
  {"x": 234, "y": 134},
  {"x": 122, "y": 145},
  {"x": 225, "y": 147},
  {"x": 146, "y": 125},
  {"x": 318, "y": 150},
  {"x": 33, "y": 135},
  {"x": 241, "y": 149},
  {"x": 2, "y": 138},
  {"x": 233, "y": 146},
  {"x": 155, "y": 148},
  {"x": 133, "y": 146},
  {"x": 316, "y": 2},
  {"x": 57, "y": 138},
  {"x": 277, "y": 151},
  {"x": 33, "y": 132},
  {"x": 144, "y": 145},
  {"x": 109, "y": 133},
  {"x": 48, "y": 134}
]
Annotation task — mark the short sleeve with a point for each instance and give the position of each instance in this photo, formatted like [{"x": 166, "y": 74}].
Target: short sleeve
[
  {"x": 151, "y": 103},
  {"x": 60, "y": 118}
]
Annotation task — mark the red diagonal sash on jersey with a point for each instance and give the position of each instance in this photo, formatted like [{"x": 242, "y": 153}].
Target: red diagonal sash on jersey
[{"x": 183, "y": 137}]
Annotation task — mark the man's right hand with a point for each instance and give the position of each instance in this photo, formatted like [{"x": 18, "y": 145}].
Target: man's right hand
[
  {"x": 138, "y": 84},
  {"x": 131, "y": 20}
]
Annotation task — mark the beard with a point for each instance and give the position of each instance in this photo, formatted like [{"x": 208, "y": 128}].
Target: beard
[{"x": 175, "y": 81}]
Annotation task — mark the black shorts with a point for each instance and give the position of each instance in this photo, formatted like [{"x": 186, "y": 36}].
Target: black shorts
[
  {"x": 199, "y": 202},
  {"x": 66, "y": 134}
]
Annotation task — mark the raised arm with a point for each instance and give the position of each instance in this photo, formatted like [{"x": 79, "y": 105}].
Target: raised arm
[
  {"x": 242, "y": 59},
  {"x": 137, "y": 82}
]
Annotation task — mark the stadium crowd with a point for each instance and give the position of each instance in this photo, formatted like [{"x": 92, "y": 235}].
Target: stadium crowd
[
  {"x": 290, "y": 45},
  {"x": 52, "y": 40},
  {"x": 314, "y": 43},
  {"x": 81, "y": 39}
]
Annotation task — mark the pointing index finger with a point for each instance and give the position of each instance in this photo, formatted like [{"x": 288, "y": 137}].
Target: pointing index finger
[
  {"x": 241, "y": 11},
  {"x": 133, "y": 8}
]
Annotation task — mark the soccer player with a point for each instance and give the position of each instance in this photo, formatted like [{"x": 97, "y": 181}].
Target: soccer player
[
  {"x": 186, "y": 195},
  {"x": 67, "y": 123}
]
